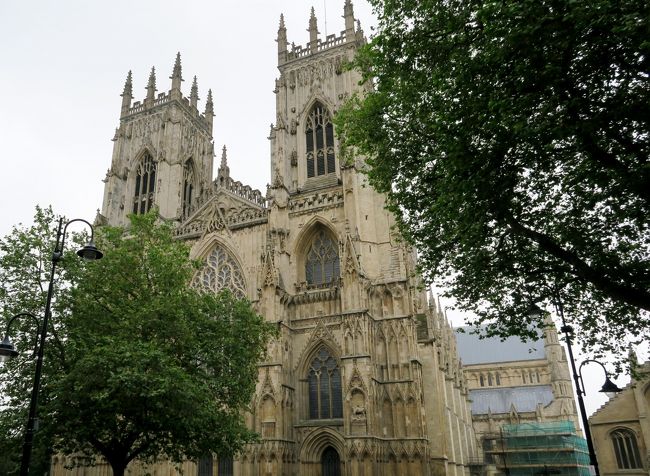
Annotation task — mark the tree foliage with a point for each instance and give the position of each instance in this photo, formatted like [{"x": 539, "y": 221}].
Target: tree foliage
[
  {"x": 513, "y": 141},
  {"x": 147, "y": 366}
]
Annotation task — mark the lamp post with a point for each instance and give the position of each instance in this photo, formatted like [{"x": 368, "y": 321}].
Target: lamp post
[
  {"x": 7, "y": 350},
  {"x": 608, "y": 387}
]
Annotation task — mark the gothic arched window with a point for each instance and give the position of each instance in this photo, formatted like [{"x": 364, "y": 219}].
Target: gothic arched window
[
  {"x": 322, "y": 261},
  {"x": 319, "y": 133},
  {"x": 626, "y": 449},
  {"x": 324, "y": 377},
  {"x": 221, "y": 272},
  {"x": 188, "y": 186},
  {"x": 145, "y": 185},
  {"x": 225, "y": 466}
]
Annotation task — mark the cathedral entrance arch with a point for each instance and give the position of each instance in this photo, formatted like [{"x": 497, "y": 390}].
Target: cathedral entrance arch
[
  {"x": 320, "y": 454},
  {"x": 330, "y": 462}
]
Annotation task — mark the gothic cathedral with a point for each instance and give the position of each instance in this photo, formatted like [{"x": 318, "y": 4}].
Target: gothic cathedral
[{"x": 364, "y": 378}]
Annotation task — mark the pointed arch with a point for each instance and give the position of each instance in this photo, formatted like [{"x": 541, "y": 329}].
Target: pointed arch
[
  {"x": 318, "y": 252},
  {"x": 626, "y": 448},
  {"x": 144, "y": 186},
  {"x": 222, "y": 269},
  {"x": 319, "y": 140},
  {"x": 317, "y": 441},
  {"x": 189, "y": 186},
  {"x": 324, "y": 386}
]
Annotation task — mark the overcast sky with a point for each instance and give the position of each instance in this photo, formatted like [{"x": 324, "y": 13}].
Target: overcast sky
[
  {"x": 63, "y": 67},
  {"x": 64, "y": 64}
]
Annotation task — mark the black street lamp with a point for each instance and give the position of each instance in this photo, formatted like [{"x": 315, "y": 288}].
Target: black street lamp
[
  {"x": 7, "y": 349},
  {"x": 608, "y": 387}
]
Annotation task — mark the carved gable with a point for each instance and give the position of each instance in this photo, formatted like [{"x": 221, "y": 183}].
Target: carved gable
[{"x": 222, "y": 212}]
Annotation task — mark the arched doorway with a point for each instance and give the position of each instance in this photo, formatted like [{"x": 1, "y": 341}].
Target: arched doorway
[{"x": 330, "y": 462}]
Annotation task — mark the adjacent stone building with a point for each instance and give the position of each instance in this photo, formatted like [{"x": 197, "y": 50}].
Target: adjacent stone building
[
  {"x": 364, "y": 377},
  {"x": 621, "y": 429},
  {"x": 513, "y": 382}
]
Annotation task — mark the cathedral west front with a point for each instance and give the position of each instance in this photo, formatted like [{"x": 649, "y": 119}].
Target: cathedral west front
[{"x": 363, "y": 377}]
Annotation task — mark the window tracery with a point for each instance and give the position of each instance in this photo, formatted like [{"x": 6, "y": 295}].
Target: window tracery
[
  {"x": 626, "y": 449},
  {"x": 324, "y": 381},
  {"x": 188, "y": 186},
  {"x": 319, "y": 133},
  {"x": 145, "y": 185},
  {"x": 322, "y": 261},
  {"x": 221, "y": 271}
]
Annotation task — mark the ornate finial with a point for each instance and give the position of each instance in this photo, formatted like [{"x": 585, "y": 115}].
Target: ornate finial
[
  {"x": 224, "y": 156},
  {"x": 282, "y": 41},
  {"x": 177, "y": 72},
  {"x": 224, "y": 170},
  {"x": 209, "y": 106},
  {"x": 151, "y": 85},
  {"x": 313, "y": 31},
  {"x": 128, "y": 86},
  {"x": 194, "y": 93}
]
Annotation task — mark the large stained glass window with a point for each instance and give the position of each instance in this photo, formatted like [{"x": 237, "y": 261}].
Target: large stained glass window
[
  {"x": 145, "y": 185},
  {"x": 221, "y": 271},
  {"x": 325, "y": 400},
  {"x": 319, "y": 133},
  {"x": 322, "y": 263}
]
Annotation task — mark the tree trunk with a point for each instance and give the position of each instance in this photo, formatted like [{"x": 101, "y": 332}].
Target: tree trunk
[{"x": 118, "y": 468}]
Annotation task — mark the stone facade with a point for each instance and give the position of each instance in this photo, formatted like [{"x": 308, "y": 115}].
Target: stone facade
[
  {"x": 620, "y": 429},
  {"x": 512, "y": 382},
  {"x": 363, "y": 378}
]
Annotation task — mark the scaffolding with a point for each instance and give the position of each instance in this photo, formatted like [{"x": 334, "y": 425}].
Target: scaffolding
[{"x": 531, "y": 449}]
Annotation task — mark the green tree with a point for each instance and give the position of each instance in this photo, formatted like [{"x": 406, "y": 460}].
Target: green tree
[
  {"x": 148, "y": 367},
  {"x": 513, "y": 142}
]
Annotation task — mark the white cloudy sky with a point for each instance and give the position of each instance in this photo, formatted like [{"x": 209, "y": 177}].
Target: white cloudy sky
[{"x": 63, "y": 66}]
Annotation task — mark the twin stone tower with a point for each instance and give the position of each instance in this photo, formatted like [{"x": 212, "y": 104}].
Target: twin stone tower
[{"x": 363, "y": 378}]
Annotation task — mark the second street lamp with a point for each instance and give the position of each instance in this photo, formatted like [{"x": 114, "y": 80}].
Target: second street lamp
[
  {"x": 609, "y": 386},
  {"x": 7, "y": 350}
]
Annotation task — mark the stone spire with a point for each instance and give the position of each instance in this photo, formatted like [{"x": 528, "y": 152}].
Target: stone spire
[
  {"x": 177, "y": 73},
  {"x": 224, "y": 170},
  {"x": 313, "y": 32},
  {"x": 127, "y": 94},
  {"x": 348, "y": 15},
  {"x": 209, "y": 110},
  {"x": 282, "y": 41},
  {"x": 194, "y": 93},
  {"x": 151, "y": 88}
]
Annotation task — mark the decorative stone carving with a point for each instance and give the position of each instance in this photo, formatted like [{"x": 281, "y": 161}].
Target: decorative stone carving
[{"x": 221, "y": 272}]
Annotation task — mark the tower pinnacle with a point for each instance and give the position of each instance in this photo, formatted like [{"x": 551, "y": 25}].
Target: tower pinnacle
[
  {"x": 151, "y": 87},
  {"x": 127, "y": 94},
  {"x": 348, "y": 15},
  {"x": 177, "y": 74},
  {"x": 194, "y": 93},
  {"x": 209, "y": 110},
  {"x": 224, "y": 170},
  {"x": 282, "y": 41},
  {"x": 313, "y": 32}
]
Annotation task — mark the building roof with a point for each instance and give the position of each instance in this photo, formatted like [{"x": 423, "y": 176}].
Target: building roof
[
  {"x": 500, "y": 400},
  {"x": 473, "y": 350}
]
